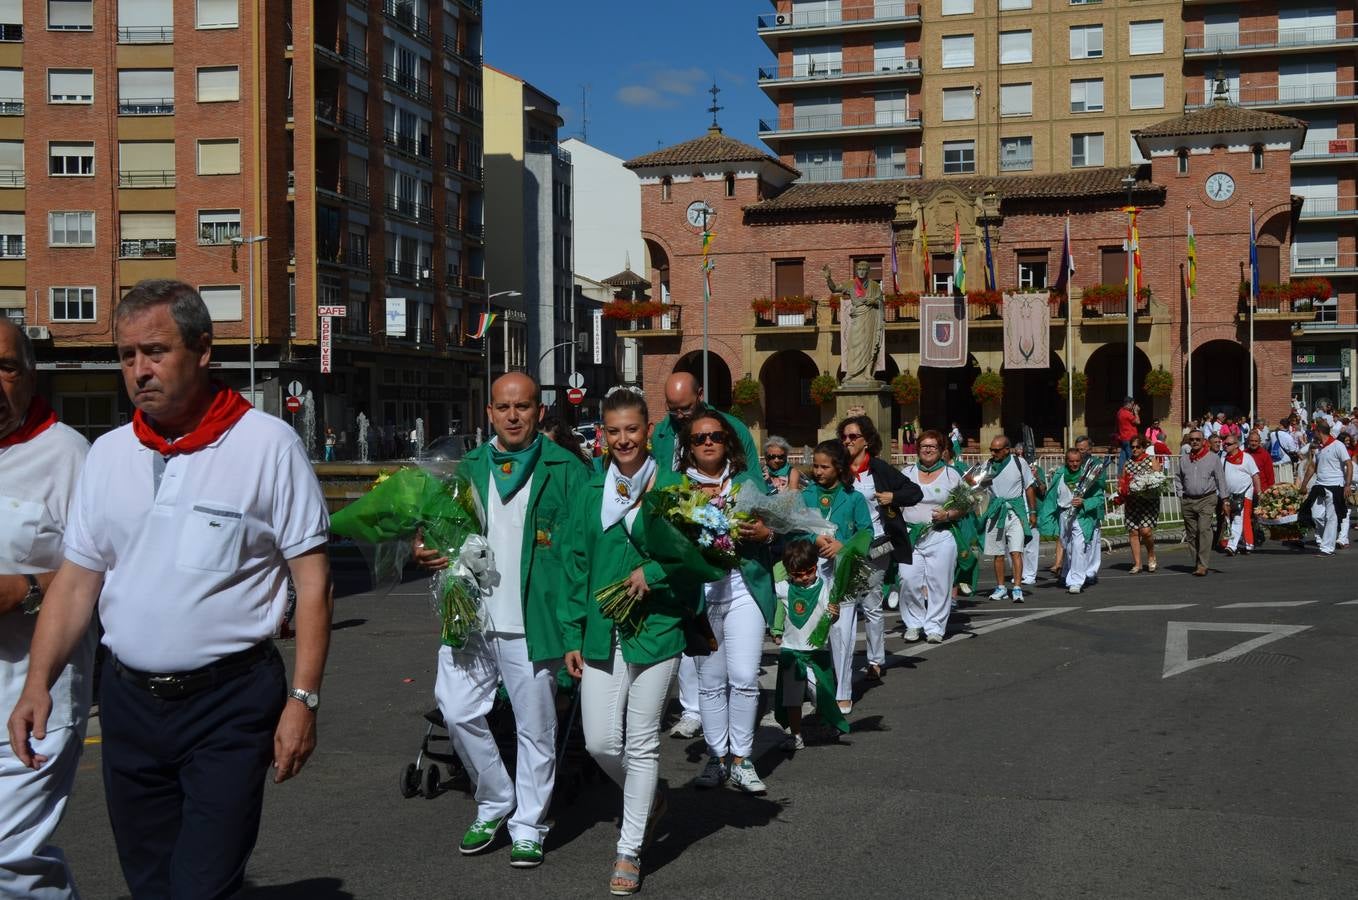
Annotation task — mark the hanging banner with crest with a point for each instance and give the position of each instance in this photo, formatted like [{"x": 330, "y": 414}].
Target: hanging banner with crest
[
  {"x": 1027, "y": 331},
  {"x": 943, "y": 332}
]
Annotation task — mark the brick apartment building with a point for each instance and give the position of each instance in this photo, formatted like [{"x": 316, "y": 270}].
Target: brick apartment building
[
  {"x": 895, "y": 89},
  {"x": 774, "y": 233},
  {"x": 332, "y": 149}
]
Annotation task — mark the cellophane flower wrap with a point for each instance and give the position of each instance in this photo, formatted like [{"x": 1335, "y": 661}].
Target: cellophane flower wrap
[
  {"x": 691, "y": 535},
  {"x": 445, "y": 508}
]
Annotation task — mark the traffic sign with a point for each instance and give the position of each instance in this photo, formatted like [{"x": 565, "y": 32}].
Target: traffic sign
[
  {"x": 294, "y": 388},
  {"x": 576, "y": 380},
  {"x": 294, "y": 404},
  {"x": 576, "y": 395}
]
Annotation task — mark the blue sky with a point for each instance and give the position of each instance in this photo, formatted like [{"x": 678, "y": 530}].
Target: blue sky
[{"x": 648, "y": 65}]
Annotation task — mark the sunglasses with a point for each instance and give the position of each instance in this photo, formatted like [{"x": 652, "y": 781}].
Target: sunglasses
[
  {"x": 775, "y": 456},
  {"x": 705, "y": 437},
  {"x": 851, "y": 437},
  {"x": 999, "y": 449}
]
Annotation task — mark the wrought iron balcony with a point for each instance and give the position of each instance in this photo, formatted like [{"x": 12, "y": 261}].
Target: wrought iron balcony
[
  {"x": 1268, "y": 40},
  {"x": 146, "y": 34},
  {"x": 146, "y": 106},
  {"x": 146, "y": 248},
  {"x": 800, "y": 73},
  {"x": 1315, "y": 93}
]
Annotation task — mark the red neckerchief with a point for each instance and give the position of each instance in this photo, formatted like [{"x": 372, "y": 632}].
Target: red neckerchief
[
  {"x": 40, "y": 417},
  {"x": 859, "y": 470},
  {"x": 1136, "y": 458},
  {"x": 857, "y": 286},
  {"x": 225, "y": 410},
  {"x": 1329, "y": 439},
  {"x": 1235, "y": 458},
  {"x": 1201, "y": 453}
]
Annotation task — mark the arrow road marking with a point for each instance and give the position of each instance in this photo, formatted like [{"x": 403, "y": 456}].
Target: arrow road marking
[{"x": 1176, "y": 643}]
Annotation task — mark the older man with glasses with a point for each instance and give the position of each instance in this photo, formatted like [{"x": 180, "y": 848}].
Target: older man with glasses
[
  {"x": 1011, "y": 519},
  {"x": 1242, "y": 482},
  {"x": 1202, "y": 482}
]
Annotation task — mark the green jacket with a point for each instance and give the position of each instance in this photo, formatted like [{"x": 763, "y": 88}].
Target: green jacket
[
  {"x": 756, "y": 559},
  {"x": 548, "y": 539},
  {"x": 1087, "y": 517},
  {"x": 662, "y": 442},
  {"x": 601, "y": 558},
  {"x": 848, "y": 510}
]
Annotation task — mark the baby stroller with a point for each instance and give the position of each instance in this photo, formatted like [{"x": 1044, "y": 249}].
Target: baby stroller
[{"x": 436, "y": 747}]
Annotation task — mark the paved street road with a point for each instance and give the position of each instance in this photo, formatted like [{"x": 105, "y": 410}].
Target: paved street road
[{"x": 1112, "y": 744}]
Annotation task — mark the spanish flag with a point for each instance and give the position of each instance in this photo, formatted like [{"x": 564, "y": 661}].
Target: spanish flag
[
  {"x": 1134, "y": 247},
  {"x": 1192, "y": 259}
]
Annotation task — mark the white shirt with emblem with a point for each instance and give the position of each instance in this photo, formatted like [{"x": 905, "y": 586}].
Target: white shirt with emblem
[
  {"x": 37, "y": 485},
  {"x": 195, "y": 569}
]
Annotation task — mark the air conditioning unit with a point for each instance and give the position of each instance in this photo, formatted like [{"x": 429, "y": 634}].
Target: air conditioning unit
[
  {"x": 37, "y": 332},
  {"x": 783, "y": 19}
]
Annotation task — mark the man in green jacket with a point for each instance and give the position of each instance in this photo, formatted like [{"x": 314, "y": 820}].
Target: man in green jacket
[{"x": 526, "y": 484}]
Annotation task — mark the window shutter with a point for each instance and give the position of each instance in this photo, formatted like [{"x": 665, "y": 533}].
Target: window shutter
[
  {"x": 147, "y": 226},
  {"x": 145, "y": 13},
  {"x": 1114, "y": 266},
  {"x": 1147, "y": 37},
  {"x": 12, "y": 156},
  {"x": 1147, "y": 91},
  {"x": 70, "y": 83},
  {"x": 217, "y": 13},
  {"x": 1016, "y": 99},
  {"x": 11, "y": 84},
  {"x": 1270, "y": 265},
  {"x": 218, "y": 83},
  {"x": 13, "y": 298},
  {"x": 12, "y": 12},
  {"x": 1016, "y": 47},
  {"x": 146, "y": 156},
  {"x": 219, "y": 157},
  {"x": 959, "y": 51},
  {"x": 146, "y": 84},
  {"x": 959, "y": 103},
  {"x": 70, "y": 14},
  {"x": 222, "y": 301},
  {"x": 788, "y": 278}
]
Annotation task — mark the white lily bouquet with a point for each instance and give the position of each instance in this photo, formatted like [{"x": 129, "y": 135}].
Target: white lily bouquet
[{"x": 1149, "y": 484}]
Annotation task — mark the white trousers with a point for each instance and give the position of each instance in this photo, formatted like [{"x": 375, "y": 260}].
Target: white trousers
[
  {"x": 621, "y": 705},
  {"x": 688, "y": 686},
  {"x": 465, "y": 690},
  {"x": 1326, "y": 522},
  {"x": 1076, "y": 568},
  {"x": 926, "y": 584},
  {"x": 32, "y": 803},
  {"x": 1030, "y": 551},
  {"x": 1094, "y": 554},
  {"x": 1342, "y": 539},
  {"x": 728, "y": 678},
  {"x": 1237, "y": 528},
  {"x": 844, "y": 632}
]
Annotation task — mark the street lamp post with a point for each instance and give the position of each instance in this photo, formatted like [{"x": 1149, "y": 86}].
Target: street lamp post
[
  {"x": 250, "y": 252},
  {"x": 486, "y": 338},
  {"x": 1129, "y": 182}
]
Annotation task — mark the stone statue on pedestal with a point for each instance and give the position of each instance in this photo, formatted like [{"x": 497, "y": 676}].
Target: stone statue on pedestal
[{"x": 862, "y": 332}]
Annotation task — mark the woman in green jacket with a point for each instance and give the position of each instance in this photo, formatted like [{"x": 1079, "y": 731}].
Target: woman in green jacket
[{"x": 624, "y": 670}]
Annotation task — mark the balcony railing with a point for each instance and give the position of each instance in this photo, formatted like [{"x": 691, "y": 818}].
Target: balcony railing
[
  {"x": 146, "y": 248},
  {"x": 1320, "y": 93},
  {"x": 462, "y": 50},
  {"x": 473, "y": 283},
  {"x": 793, "y": 319},
  {"x": 407, "y": 82},
  {"x": 353, "y": 54},
  {"x": 344, "y": 187},
  {"x": 1329, "y": 208},
  {"x": 465, "y": 168},
  {"x": 146, "y": 106},
  {"x": 11, "y": 178},
  {"x": 549, "y": 147},
  {"x": 1332, "y": 149},
  {"x": 865, "y": 121},
  {"x": 871, "y": 171},
  {"x": 1338, "y": 263},
  {"x": 474, "y": 230},
  {"x": 11, "y": 246},
  {"x": 145, "y": 178},
  {"x": 1300, "y": 309},
  {"x": 409, "y": 143},
  {"x": 337, "y": 254},
  {"x": 403, "y": 14},
  {"x": 419, "y": 212},
  {"x": 146, "y": 34},
  {"x": 1113, "y": 307},
  {"x": 669, "y": 320},
  {"x": 462, "y": 108},
  {"x": 866, "y": 14},
  {"x": 11, "y": 33},
  {"x": 402, "y": 268},
  {"x": 12, "y": 106},
  {"x": 1260, "y": 39},
  {"x": 326, "y": 111},
  {"x": 473, "y": 5},
  {"x": 809, "y": 71}
]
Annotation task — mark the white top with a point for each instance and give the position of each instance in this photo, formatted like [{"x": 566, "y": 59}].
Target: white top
[
  {"x": 1330, "y": 463},
  {"x": 1210, "y": 428},
  {"x": 795, "y": 638},
  {"x": 1240, "y": 476},
  {"x": 732, "y": 587},
  {"x": 935, "y": 493},
  {"x": 865, "y": 485},
  {"x": 1012, "y": 480},
  {"x": 195, "y": 569},
  {"x": 37, "y": 485},
  {"x": 503, "y": 604},
  {"x": 1286, "y": 440}
]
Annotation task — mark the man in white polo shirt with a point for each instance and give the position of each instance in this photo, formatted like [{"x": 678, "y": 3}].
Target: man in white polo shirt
[
  {"x": 40, "y": 462},
  {"x": 184, "y": 530},
  {"x": 1332, "y": 471},
  {"x": 1242, "y": 486}
]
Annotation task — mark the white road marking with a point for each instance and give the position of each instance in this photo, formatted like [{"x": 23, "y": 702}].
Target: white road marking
[
  {"x": 1264, "y": 604},
  {"x": 1033, "y": 617},
  {"x": 1348, "y": 603},
  {"x": 1144, "y": 606},
  {"x": 1176, "y": 643}
]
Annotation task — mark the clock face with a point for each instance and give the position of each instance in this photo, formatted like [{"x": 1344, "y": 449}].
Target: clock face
[
  {"x": 1220, "y": 186},
  {"x": 699, "y": 214}
]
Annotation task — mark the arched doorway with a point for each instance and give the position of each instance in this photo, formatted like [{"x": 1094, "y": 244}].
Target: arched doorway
[
  {"x": 945, "y": 397},
  {"x": 897, "y": 419},
  {"x": 1221, "y": 378},
  {"x": 1030, "y": 398},
  {"x": 718, "y": 393},
  {"x": 660, "y": 271},
  {"x": 1107, "y": 374},
  {"x": 785, "y": 380}
]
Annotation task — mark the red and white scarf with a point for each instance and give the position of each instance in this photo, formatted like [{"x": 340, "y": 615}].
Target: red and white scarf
[{"x": 40, "y": 417}]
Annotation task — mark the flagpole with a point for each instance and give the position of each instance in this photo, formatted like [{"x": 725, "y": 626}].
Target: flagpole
[
  {"x": 1130, "y": 183},
  {"x": 1188, "y": 324},
  {"x": 1068, "y": 253},
  {"x": 1254, "y": 300}
]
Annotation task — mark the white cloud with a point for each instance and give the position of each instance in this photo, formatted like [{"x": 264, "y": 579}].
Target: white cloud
[
  {"x": 641, "y": 95},
  {"x": 662, "y": 87}
]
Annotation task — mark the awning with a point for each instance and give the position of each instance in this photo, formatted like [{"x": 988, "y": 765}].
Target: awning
[{"x": 1315, "y": 377}]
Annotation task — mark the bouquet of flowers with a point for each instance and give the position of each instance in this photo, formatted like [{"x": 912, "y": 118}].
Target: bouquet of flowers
[
  {"x": 691, "y": 535},
  {"x": 1279, "y": 505},
  {"x": 1149, "y": 484},
  {"x": 445, "y": 507},
  {"x": 787, "y": 513},
  {"x": 1092, "y": 479}
]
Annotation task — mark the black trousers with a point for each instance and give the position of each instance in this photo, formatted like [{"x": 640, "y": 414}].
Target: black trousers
[{"x": 184, "y": 780}]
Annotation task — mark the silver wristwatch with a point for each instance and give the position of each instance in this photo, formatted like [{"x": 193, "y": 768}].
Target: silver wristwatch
[
  {"x": 32, "y": 601},
  {"x": 310, "y": 699}
]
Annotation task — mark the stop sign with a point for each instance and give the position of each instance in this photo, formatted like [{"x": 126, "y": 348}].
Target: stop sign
[
  {"x": 575, "y": 395},
  {"x": 294, "y": 404}
]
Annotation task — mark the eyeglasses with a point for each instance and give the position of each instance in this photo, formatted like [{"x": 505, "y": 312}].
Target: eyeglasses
[
  {"x": 851, "y": 437},
  {"x": 928, "y": 446},
  {"x": 775, "y": 457},
  {"x": 1228, "y": 443},
  {"x": 704, "y": 437}
]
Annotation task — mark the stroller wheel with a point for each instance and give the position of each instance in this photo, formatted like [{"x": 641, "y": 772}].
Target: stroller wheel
[
  {"x": 410, "y": 781},
  {"x": 431, "y": 782}
]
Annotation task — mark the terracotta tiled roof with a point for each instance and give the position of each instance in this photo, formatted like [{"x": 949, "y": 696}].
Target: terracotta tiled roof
[
  {"x": 843, "y": 194},
  {"x": 626, "y": 279},
  {"x": 1218, "y": 119},
  {"x": 713, "y": 147}
]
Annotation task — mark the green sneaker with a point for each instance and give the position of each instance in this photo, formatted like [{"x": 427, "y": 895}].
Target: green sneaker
[
  {"x": 525, "y": 854},
  {"x": 481, "y": 835}
]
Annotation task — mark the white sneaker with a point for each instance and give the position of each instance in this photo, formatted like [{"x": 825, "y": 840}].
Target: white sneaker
[
  {"x": 999, "y": 593},
  {"x": 688, "y": 727},
  {"x": 792, "y": 743},
  {"x": 912, "y": 634},
  {"x": 714, "y": 774},
  {"x": 1073, "y": 589},
  {"x": 1016, "y": 594},
  {"x": 964, "y": 590},
  {"x": 745, "y": 778},
  {"x": 893, "y": 600},
  {"x": 935, "y": 638},
  {"x": 1030, "y": 582}
]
